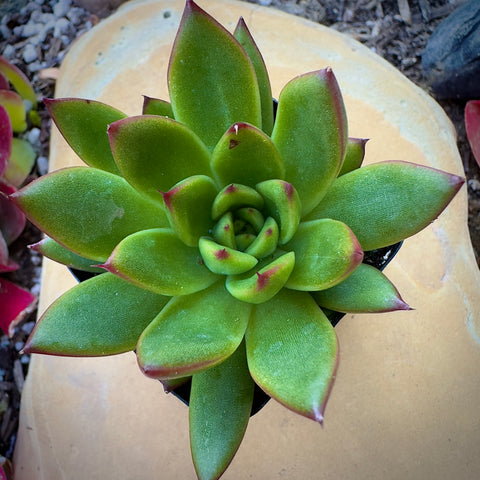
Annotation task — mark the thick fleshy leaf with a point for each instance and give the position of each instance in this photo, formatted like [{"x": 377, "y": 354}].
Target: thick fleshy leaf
[
  {"x": 53, "y": 250},
  {"x": 4, "y": 85},
  {"x": 243, "y": 35},
  {"x": 224, "y": 260},
  {"x": 104, "y": 315},
  {"x": 235, "y": 196},
  {"x": 188, "y": 205},
  {"x": 19, "y": 81},
  {"x": 12, "y": 220},
  {"x": 6, "y": 134},
  {"x": 224, "y": 231},
  {"x": 159, "y": 261},
  {"x": 154, "y": 153},
  {"x": 21, "y": 162},
  {"x": 252, "y": 217},
  {"x": 220, "y": 405},
  {"x": 354, "y": 155},
  {"x": 263, "y": 284},
  {"x": 282, "y": 202},
  {"x": 266, "y": 241},
  {"x": 326, "y": 252},
  {"x": 247, "y": 156},
  {"x": 15, "y": 302},
  {"x": 83, "y": 123},
  {"x": 211, "y": 80},
  {"x": 472, "y": 127},
  {"x": 155, "y": 106},
  {"x": 310, "y": 133},
  {"x": 103, "y": 209},
  {"x": 6, "y": 263},
  {"x": 386, "y": 202},
  {"x": 292, "y": 352},
  {"x": 365, "y": 290},
  {"x": 13, "y": 104},
  {"x": 193, "y": 333}
]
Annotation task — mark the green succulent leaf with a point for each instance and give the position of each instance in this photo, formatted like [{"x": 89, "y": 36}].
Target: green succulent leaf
[
  {"x": 83, "y": 124},
  {"x": 282, "y": 202},
  {"x": 326, "y": 252},
  {"x": 224, "y": 231},
  {"x": 263, "y": 284},
  {"x": 211, "y": 80},
  {"x": 87, "y": 210},
  {"x": 365, "y": 290},
  {"x": 159, "y": 261},
  {"x": 235, "y": 196},
  {"x": 154, "y": 153},
  {"x": 104, "y": 315},
  {"x": 354, "y": 155},
  {"x": 251, "y": 216},
  {"x": 247, "y": 156},
  {"x": 224, "y": 260},
  {"x": 13, "y": 104},
  {"x": 292, "y": 352},
  {"x": 20, "y": 163},
  {"x": 53, "y": 250},
  {"x": 243, "y": 35},
  {"x": 310, "y": 133},
  {"x": 188, "y": 206},
  {"x": 19, "y": 81},
  {"x": 244, "y": 240},
  {"x": 266, "y": 241},
  {"x": 170, "y": 384},
  {"x": 220, "y": 405},
  {"x": 192, "y": 333},
  {"x": 387, "y": 202},
  {"x": 155, "y": 106}
]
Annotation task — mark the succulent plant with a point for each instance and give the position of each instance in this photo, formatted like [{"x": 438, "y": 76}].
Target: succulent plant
[
  {"x": 16, "y": 161},
  {"x": 223, "y": 233},
  {"x": 472, "y": 127}
]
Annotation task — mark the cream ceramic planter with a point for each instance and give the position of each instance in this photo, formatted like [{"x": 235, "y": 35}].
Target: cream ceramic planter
[{"x": 405, "y": 404}]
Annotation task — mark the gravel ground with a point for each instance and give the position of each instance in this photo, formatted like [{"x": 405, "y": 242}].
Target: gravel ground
[{"x": 35, "y": 35}]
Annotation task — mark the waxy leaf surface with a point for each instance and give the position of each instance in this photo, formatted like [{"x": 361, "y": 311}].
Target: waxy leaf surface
[
  {"x": 472, "y": 127},
  {"x": 387, "y": 202},
  {"x": 21, "y": 162},
  {"x": 155, "y": 106},
  {"x": 19, "y": 81},
  {"x": 192, "y": 333},
  {"x": 13, "y": 104},
  {"x": 15, "y": 302},
  {"x": 211, "y": 81},
  {"x": 159, "y": 261},
  {"x": 310, "y": 133},
  {"x": 83, "y": 124},
  {"x": 154, "y": 153},
  {"x": 292, "y": 352},
  {"x": 220, "y": 405},
  {"x": 354, "y": 155},
  {"x": 91, "y": 222}
]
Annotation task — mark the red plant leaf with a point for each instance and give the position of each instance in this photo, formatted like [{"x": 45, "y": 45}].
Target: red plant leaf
[
  {"x": 6, "y": 135},
  {"x": 472, "y": 126},
  {"x": 15, "y": 303}
]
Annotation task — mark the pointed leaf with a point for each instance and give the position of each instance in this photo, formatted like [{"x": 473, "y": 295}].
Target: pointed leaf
[
  {"x": 472, "y": 127},
  {"x": 386, "y": 202},
  {"x": 235, "y": 196},
  {"x": 12, "y": 220},
  {"x": 243, "y": 35},
  {"x": 264, "y": 283},
  {"x": 224, "y": 231},
  {"x": 224, "y": 260},
  {"x": 326, "y": 252},
  {"x": 103, "y": 209},
  {"x": 104, "y": 315},
  {"x": 266, "y": 241},
  {"x": 193, "y": 333},
  {"x": 6, "y": 134},
  {"x": 252, "y": 217},
  {"x": 188, "y": 205},
  {"x": 310, "y": 133},
  {"x": 365, "y": 290},
  {"x": 354, "y": 155},
  {"x": 157, "y": 260},
  {"x": 155, "y": 106},
  {"x": 211, "y": 80},
  {"x": 292, "y": 352},
  {"x": 220, "y": 404},
  {"x": 13, "y": 104},
  {"x": 4, "y": 85},
  {"x": 83, "y": 123},
  {"x": 282, "y": 202},
  {"x": 53, "y": 250},
  {"x": 21, "y": 162},
  {"x": 154, "y": 153},
  {"x": 247, "y": 156},
  {"x": 19, "y": 81},
  {"x": 15, "y": 302}
]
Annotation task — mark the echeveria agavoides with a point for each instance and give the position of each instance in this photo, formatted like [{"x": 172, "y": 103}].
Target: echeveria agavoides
[{"x": 225, "y": 234}]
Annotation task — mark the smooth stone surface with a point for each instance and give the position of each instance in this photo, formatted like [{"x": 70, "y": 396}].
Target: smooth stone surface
[{"x": 405, "y": 404}]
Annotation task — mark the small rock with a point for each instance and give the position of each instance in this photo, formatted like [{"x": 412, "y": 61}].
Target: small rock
[
  {"x": 47, "y": 17},
  {"x": 5, "y": 32},
  {"x": 75, "y": 15},
  {"x": 29, "y": 53},
  {"x": 33, "y": 136},
  {"x": 31, "y": 29},
  {"x": 61, "y": 8},
  {"x": 42, "y": 165},
  {"x": 9, "y": 51},
  {"x": 62, "y": 27}
]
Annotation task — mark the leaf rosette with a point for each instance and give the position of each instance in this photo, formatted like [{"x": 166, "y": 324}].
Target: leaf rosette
[{"x": 224, "y": 232}]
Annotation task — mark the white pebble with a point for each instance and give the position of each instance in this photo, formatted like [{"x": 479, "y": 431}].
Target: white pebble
[
  {"x": 29, "y": 53},
  {"x": 42, "y": 165},
  {"x": 75, "y": 15},
  {"x": 31, "y": 29},
  {"x": 9, "y": 51},
  {"x": 61, "y": 8},
  {"x": 33, "y": 135},
  {"x": 62, "y": 25}
]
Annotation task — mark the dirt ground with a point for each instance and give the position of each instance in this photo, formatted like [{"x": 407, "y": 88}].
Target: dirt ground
[{"x": 395, "y": 29}]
